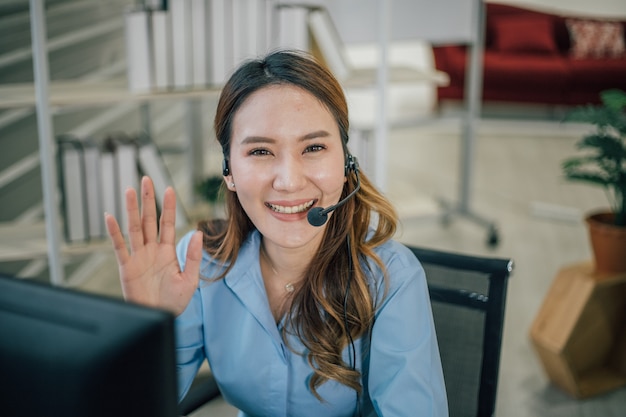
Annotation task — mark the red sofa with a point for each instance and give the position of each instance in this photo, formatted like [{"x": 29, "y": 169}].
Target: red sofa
[{"x": 529, "y": 57}]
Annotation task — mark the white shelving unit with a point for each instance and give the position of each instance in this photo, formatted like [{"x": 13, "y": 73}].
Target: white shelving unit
[{"x": 44, "y": 96}]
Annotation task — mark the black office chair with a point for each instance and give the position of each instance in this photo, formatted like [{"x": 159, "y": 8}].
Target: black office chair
[
  {"x": 202, "y": 390},
  {"x": 468, "y": 296}
]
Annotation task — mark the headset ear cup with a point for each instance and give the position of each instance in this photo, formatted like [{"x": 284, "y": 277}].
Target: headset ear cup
[
  {"x": 351, "y": 164},
  {"x": 225, "y": 167}
]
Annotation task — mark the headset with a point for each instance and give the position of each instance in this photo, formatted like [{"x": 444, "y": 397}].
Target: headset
[{"x": 318, "y": 216}]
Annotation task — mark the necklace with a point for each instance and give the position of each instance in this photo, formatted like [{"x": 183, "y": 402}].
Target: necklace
[{"x": 289, "y": 287}]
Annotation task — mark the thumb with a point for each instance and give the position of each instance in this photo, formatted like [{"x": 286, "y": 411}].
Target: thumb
[{"x": 194, "y": 258}]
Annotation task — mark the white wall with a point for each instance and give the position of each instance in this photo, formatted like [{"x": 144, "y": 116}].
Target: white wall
[
  {"x": 441, "y": 20},
  {"x": 597, "y": 8},
  {"x": 357, "y": 20}
]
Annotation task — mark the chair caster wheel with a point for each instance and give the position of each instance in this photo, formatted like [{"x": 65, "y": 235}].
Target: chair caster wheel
[{"x": 493, "y": 239}]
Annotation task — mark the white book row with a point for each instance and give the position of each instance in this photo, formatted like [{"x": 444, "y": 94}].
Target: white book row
[
  {"x": 194, "y": 43},
  {"x": 95, "y": 177}
]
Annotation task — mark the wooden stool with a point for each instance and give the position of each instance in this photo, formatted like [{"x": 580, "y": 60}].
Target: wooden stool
[{"x": 579, "y": 333}]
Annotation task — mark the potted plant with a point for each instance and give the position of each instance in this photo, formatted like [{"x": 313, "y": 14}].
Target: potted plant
[
  {"x": 603, "y": 163},
  {"x": 210, "y": 192}
]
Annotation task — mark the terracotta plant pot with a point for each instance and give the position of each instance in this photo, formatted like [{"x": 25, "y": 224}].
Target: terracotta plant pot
[{"x": 608, "y": 243}]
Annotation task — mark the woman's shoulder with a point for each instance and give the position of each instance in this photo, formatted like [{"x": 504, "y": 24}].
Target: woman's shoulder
[
  {"x": 400, "y": 264},
  {"x": 393, "y": 253}
]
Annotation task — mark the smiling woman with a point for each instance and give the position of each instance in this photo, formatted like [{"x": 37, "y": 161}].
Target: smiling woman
[
  {"x": 294, "y": 319},
  {"x": 286, "y": 155}
]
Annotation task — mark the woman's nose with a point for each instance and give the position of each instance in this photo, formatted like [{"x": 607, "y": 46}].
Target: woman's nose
[{"x": 290, "y": 174}]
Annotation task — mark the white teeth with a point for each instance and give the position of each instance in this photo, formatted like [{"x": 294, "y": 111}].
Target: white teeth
[{"x": 292, "y": 209}]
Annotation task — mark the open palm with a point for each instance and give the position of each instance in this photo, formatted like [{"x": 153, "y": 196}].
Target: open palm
[{"x": 150, "y": 273}]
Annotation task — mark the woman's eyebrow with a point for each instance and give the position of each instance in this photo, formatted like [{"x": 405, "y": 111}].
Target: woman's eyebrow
[
  {"x": 257, "y": 139},
  {"x": 316, "y": 134},
  {"x": 263, "y": 139}
]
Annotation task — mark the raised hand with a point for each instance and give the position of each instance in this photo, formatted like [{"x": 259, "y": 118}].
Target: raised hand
[{"x": 150, "y": 273}]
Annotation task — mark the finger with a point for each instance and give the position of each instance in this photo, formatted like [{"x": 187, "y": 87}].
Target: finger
[
  {"x": 168, "y": 217},
  {"x": 135, "y": 233},
  {"x": 119, "y": 245},
  {"x": 148, "y": 211},
  {"x": 194, "y": 258}
]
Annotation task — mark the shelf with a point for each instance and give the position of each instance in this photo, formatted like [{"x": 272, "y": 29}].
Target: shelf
[
  {"x": 22, "y": 242},
  {"x": 73, "y": 93},
  {"x": 28, "y": 241}
]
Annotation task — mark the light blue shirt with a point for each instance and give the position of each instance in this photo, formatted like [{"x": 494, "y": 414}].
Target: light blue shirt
[{"x": 229, "y": 322}]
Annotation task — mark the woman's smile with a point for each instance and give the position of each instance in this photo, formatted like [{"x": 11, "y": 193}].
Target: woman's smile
[{"x": 291, "y": 209}]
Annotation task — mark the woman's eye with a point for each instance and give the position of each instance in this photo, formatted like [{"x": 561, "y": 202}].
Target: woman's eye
[
  {"x": 314, "y": 148},
  {"x": 259, "y": 152}
]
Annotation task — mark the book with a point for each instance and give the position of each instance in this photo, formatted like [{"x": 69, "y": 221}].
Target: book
[
  {"x": 251, "y": 28},
  {"x": 200, "y": 37},
  {"x": 73, "y": 189},
  {"x": 162, "y": 50},
  {"x": 151, "y": 164},
  {"x": 180, "y": 13},
  {"x": 138, "y": 50},
  {"x": 244, "y": 29},
  {"x": 110, "y": 196},
  {"x": 127, "y": 175},
  {"x": 265, "y": 30},
  {"x": 292, "y": 27},
  {"x": 93, "y": 190},
  {"x": 221, "y": 41}
]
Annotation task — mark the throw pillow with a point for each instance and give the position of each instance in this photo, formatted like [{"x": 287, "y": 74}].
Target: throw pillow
[
  {"x": 532, "y": 34},
  {"x": 596, "y": 39}
]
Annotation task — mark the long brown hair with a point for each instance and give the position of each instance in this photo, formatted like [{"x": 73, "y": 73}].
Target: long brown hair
[{"x": 324, "y": 318}]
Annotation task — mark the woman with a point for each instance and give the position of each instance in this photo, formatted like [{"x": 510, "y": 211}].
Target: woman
[{"x": 294, "y": 319}]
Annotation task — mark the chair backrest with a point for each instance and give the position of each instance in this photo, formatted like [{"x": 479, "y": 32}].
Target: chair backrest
[{"x": 468, "y": 296}]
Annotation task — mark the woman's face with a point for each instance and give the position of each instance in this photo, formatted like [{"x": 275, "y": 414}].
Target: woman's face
[{"x": 286, "y": 156}]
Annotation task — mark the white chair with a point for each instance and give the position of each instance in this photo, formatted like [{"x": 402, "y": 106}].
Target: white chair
[{"x": 328, "y": 46}]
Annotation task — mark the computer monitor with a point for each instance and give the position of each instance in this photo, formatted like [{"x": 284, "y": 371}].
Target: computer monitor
[{"x": 73, "y": 354}]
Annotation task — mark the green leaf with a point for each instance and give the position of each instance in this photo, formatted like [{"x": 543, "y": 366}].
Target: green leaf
[
  {"x": 594, "y": 179},
  {"x": 614, "y": 99},
  {"x": 210, "y": 189},
  {"x": 602, "y": 161}
]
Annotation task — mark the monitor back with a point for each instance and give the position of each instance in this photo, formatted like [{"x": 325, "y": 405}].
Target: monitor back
[{"x": 69, "y": 353}]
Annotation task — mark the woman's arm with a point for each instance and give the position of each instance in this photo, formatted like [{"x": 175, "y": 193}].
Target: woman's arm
[{"x": 405, "y": 374}]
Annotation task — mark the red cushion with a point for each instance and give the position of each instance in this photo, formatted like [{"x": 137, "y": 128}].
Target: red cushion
[
  {"x": 596, "y": 39},
  {"x": 532, "y": 34},
  {"x": 517, "y": 72}
]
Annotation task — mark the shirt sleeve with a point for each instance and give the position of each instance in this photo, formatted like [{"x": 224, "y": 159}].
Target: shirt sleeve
[
  {"x": 405, "y": 374},
  {"x": 189, "y": 333}
]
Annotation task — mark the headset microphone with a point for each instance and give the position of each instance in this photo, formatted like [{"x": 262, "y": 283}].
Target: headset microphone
[{"x": 317, "y": 216}]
